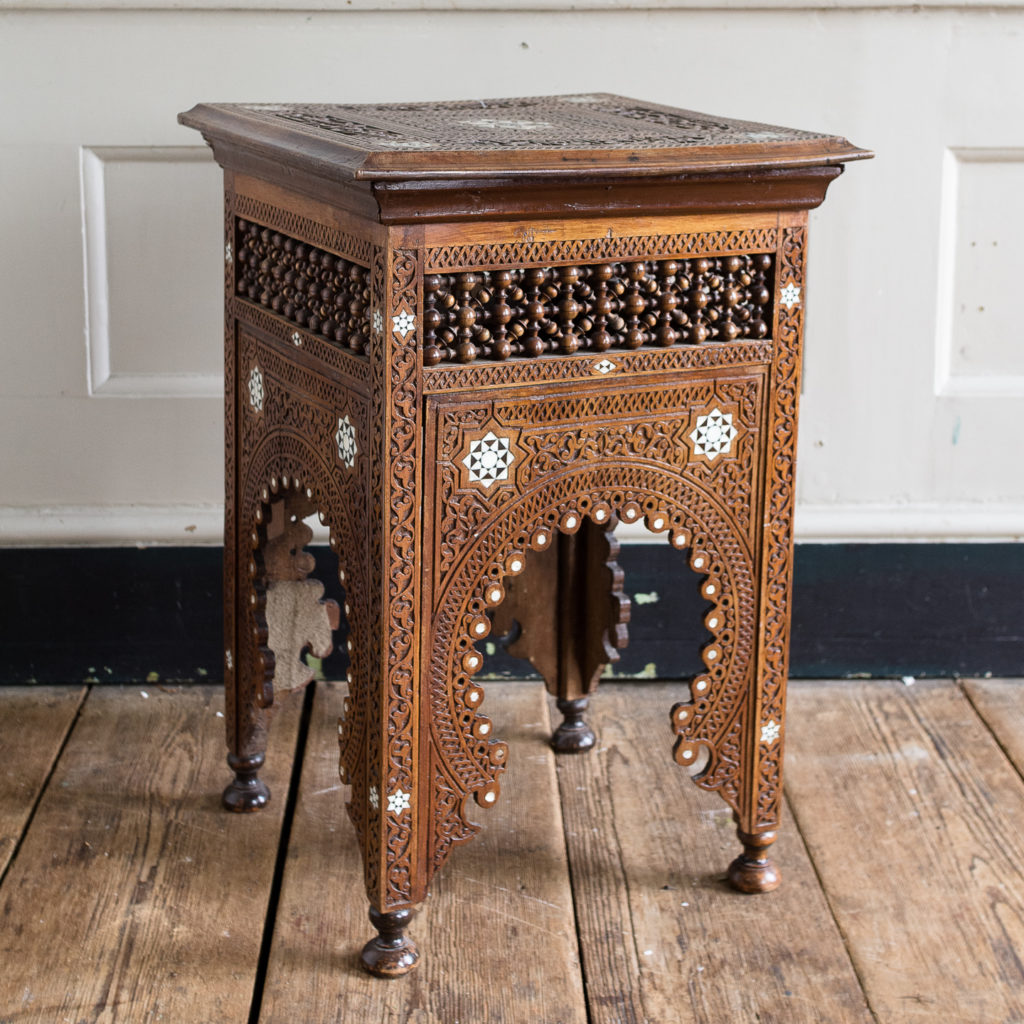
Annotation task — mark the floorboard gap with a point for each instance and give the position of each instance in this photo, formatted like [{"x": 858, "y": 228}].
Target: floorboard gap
[
  {"x": 574, "y": 890},
  {"x": 46, "y": 784},
  {"x": 256, "y": 1006},
  {"x": 988, "y": 727},
  {"x": 832, "y": 910}
]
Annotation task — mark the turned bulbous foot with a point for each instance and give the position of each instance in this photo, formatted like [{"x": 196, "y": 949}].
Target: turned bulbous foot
[
  {"x": 392, "y": 953},
  {"x": 247, "y": 792},
  {"x": 753, "y": 871},
  {"x": 573, "y": 736}
]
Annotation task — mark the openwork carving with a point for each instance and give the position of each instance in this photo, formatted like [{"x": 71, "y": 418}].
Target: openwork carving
[
  {"x": 467, "y": 762},
  {"x": 529, "y": 312},
  {"x": 306, "y": 285}
]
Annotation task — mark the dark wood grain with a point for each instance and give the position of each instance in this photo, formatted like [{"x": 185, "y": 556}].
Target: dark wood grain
[
  {"x": 33, "y": 725},
  {"x": 913, "y": 815},
  {"x": 134, "y": 897}
]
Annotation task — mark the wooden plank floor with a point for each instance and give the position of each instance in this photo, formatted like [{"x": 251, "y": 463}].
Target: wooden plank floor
[{"x": 594, "y": 893}]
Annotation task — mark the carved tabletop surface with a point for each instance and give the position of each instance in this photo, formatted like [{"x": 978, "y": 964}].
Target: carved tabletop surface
[{"x": 548, "y": 135}]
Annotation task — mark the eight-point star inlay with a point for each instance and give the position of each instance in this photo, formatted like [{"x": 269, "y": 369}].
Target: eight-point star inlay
[
  {"x": 489, "y": 459},
  {"x": 713, "y": 435}
]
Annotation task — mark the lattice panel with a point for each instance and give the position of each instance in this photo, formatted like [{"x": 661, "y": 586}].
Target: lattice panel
[
  {"x": 308, "y": 286},
  {"x": 500, "y": 314}
]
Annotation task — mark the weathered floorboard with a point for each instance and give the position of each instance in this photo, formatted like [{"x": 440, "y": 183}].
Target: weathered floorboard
[
  {"x": 915, "y": 820},
  {"x": 1000, "y": 702},
  {"x": 497, "y": 936},
  {"x": 134, "y": 897},
  {"x": 33, "y": 725},
  {"x": 663, "y": 938}
]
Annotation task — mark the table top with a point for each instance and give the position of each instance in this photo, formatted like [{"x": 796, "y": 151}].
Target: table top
[{"x": 590, "y": 134}]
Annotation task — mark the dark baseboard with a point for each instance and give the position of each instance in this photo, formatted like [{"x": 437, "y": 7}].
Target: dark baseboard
[{"x": 153, "y": 615}]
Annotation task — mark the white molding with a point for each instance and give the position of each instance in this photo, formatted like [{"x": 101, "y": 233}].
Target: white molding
[
  {"x": 101, "y": 382},
  {"x": 111, "y": 526},
  {"x": 356, "y": 6},
  {"x": 187, "y": 525},
  {"x": 947, "y": 383}
]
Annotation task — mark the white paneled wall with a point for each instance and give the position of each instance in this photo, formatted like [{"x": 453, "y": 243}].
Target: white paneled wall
[{"x": 111, "y": 231}]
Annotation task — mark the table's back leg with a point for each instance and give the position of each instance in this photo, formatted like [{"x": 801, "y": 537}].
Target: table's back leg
[
  {"x": 568, "y": 616},
  {"x": 289, "y": 617}
]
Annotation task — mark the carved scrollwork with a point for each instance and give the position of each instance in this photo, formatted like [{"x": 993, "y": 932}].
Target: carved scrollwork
[
  {"x": 778, "y": 549},
  {"x": 637, "y": 468}
]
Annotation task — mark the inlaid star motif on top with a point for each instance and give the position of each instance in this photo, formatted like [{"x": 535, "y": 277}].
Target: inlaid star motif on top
[
  {"x": 489, "y": 459},
  {"x": 790, "y": 295},
  {"x": 713, "y": 435},
  {"x": 770, "y": 731}
]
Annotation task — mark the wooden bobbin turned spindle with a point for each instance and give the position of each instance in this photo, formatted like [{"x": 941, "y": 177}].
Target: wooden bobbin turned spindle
[
  {"x": 573, "y": 736},
  {"x": 752, "y": 871},
  {"x": 391, "y": 953},
  {"x": 247, "y": 791}
]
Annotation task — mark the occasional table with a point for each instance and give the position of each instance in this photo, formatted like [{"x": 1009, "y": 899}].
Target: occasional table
[{"x": 473, "y": 337}]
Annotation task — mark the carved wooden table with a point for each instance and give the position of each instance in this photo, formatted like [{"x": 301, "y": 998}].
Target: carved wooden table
[{"x": 473, "y": 337}]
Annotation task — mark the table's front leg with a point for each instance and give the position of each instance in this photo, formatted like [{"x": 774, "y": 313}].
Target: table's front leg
[{"x": 395, "y": 793}]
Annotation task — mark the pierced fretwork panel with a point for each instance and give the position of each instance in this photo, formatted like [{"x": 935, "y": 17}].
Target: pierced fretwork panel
[
  {"x": 308, "y": 286},
  {"x": 500, "y": 314}
]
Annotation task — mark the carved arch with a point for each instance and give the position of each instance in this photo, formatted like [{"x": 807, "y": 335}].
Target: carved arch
[
  {"x": 465, "y": 759},
  {"x": 286, "y": 466}
]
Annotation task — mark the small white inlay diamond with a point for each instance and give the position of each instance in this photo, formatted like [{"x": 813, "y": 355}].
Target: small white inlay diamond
[
  {"x": 713, "y": 435},
  {"x": 378, "y": 321},
  {"x": 398, "y": 801},
  {"x": 345, "y": 437},
  {"x": 605, "y": 366},
  {"x": 228, "y": 660},
  {"x": 227, "y": 253},
  {"x": 770, "y": 732},
  {"x": 404, "y": 323},
  {"x": 489, "y": 459},
  {"x": 790, "y": 295},
  {"x": 374, "y": 797},
  {"x": 256, "y": 389},
  {"x": 296, "y": 339}
]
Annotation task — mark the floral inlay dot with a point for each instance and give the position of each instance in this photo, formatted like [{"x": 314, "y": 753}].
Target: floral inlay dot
[
  {"x": 404, "y": 323},
  {"x": 374, "y": 796},
  {"x": 398, "y": 801},
  {"x": 790, "y": 295},
  {"x": 770, "y": 731}
]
